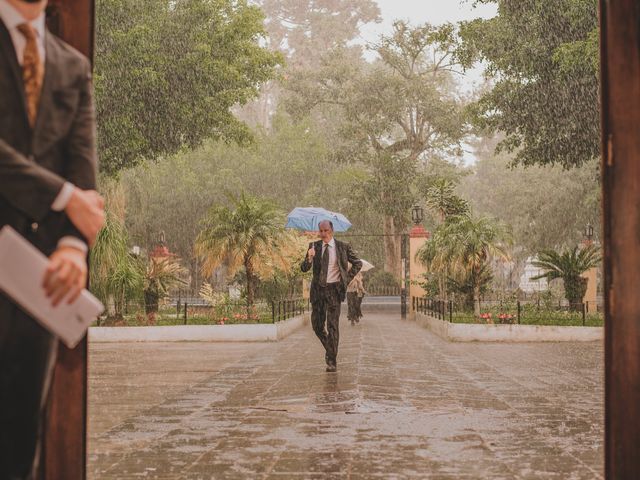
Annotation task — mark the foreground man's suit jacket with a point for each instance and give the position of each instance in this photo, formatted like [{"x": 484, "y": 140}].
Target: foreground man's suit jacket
[
  {"x": 34, "y": 164},
  {"x": 345, "y": 255}
]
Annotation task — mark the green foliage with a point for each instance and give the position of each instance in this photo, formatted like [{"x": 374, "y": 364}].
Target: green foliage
[
  {"x": 248, "y": 235},
  {"x": 168, "y": 73},
  {"x": 547, "y": 207},
  {"x": 390, "y": 116},
  {"x": 543, "y": 58},
  {"x": 116, "y": 276},
  {"x": 459, "y": 252},
  {"x": 304, "y": 29},
  {"x": 401, "y": 104},
  {"x": 161, "y": 275},
  {"x": 569, "y": 266},
  {"x": 441, "y": 199}
]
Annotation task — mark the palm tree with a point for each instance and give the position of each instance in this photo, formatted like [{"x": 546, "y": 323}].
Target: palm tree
[
  {"x": 162, "y": 274},
  {"x": 115, "y": 275},
  {"x": 569, "y": 266},
  {"x": 249, "y": 235},
  {"x": 461, "y": 249},
  {"x": 444, "y": 203}
]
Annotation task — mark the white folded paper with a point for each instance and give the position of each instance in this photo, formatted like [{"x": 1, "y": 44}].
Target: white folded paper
[{"x": 22, "y": 268}]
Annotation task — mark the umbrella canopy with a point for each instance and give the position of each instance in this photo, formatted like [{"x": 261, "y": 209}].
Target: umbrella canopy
[
  {"x": 308, "y": 218},
  {"x": 366, "y": 266}
]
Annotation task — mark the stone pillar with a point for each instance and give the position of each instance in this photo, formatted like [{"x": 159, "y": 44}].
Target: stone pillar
[
  {"x": 591, "y": 296},
  {"x": 417, "y": 237},
  {"x": 306, "y": 289}
]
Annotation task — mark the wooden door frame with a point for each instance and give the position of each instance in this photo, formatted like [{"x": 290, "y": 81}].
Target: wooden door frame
[
  {"x": 620, "y": 86},
  {"x": 64, "y": 456}
]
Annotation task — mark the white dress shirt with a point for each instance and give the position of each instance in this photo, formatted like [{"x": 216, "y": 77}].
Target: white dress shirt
[
  {"x": 333, "y": 274},
  {"x": 11, "y": 19}
]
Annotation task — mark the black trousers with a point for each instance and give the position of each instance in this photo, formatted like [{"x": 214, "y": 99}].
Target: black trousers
[
  {"x": 326, "y": 312},
  {"x": 354, "y": 303},
  {"x": 27, "y": 359}
]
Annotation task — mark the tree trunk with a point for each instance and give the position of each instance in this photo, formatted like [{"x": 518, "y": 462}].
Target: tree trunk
[
  {"x": 392, "y": 262},
  {"x": 476, "y": 300},
  {"x": 111, "y": 307},
  {"x": 251, "y": 283},
  {"x": 151, "y": 298},
  {"x": 575, "y": 290}
]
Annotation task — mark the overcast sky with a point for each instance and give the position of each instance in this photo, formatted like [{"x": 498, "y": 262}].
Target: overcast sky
[
  {"x": 420, "y": 11},
  {"x": 435, "y": 12}
]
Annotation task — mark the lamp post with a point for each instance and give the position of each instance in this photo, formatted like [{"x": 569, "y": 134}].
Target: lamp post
[
  {"x": 417, "y": 214},
  {"x": 588, "y": 232}
]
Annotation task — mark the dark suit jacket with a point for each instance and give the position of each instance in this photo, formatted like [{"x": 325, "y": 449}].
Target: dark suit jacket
[
  {"x": 345, "y": 255},
  {"x": 35, "y": 163}
]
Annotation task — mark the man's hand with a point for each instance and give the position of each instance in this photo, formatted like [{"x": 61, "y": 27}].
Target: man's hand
[
  {"x": 311, "y": 253},
  {"x": 66, "y": 275},
  {"x": 86, "y": 211}
]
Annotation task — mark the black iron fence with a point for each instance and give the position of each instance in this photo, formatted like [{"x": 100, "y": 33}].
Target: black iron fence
[
  {"x": 195, "y": 310},
  {"x": 288, "y": 308},
  {"x": 383, "y": 291},
  {"x": 499, "y": 312}
]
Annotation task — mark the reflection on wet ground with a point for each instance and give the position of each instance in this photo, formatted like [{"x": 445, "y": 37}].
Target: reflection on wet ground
[{"x": 403, "y": 404}]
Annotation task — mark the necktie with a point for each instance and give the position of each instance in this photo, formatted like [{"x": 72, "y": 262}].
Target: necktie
[
  {"x": 32, "y": 71},
  {"x": 324, "y": 265}
]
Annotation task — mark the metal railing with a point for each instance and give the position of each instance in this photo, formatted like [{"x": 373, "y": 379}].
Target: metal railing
[
  {"x": 288, "y": 308},
  {"x": 383, "y": 290},
  {"x": 509, "y": 312}
]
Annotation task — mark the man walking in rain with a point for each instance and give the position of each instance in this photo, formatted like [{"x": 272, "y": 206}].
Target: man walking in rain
[{"x": 330, "y": 260}]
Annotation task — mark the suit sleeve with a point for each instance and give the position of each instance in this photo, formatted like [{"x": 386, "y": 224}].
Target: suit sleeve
[
  {"x": 81, "y": 144},
  {"x": 28, "y": 187},
  {"x": 356, "y": 263},
  {"x": 306, "y": 265}
]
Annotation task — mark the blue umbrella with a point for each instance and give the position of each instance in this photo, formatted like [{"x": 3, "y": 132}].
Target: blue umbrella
[{"x": 308, "y": 218}]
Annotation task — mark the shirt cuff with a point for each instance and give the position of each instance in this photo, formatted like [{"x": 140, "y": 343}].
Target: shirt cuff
[
  {"x": 61, "y": 201},
  {"x": 73, "y": 242}
]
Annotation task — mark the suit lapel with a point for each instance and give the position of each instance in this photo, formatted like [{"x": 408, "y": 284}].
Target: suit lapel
[
  {"x": 48, "y": 86},
  {"x": 9, "y": 51},
  {"x": 318, "y": 256}
]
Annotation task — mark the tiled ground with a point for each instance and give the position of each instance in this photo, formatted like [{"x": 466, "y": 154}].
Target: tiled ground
[{"x": 404, "y": 404}]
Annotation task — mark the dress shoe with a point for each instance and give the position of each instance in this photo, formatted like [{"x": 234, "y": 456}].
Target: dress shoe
[{"x": 331, "y": 368}]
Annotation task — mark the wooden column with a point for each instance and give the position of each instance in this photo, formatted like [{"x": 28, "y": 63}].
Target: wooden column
[
  {"x": 65, "y": 452},
  {"x": 620, "y": 55}
]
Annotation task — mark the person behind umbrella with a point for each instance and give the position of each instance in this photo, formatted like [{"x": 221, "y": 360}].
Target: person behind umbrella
[
  {"x": 355, "y": 294},
  {"x": 330, "y": 260}
]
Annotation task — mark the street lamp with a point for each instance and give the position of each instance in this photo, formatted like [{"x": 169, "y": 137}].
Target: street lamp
[
  {"x": 417, "y": 214},
  {"x": 588, "y": 231}
]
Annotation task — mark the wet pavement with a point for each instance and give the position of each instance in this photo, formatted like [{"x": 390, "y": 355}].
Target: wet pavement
[{"x": 403, "y": 404}]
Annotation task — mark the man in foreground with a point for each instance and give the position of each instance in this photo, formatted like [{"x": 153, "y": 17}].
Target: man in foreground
[
  {"x": 330, "y": 260},
  {"x": 47, "y": 182}
]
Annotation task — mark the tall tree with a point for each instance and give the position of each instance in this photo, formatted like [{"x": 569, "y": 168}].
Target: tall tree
[
  {"x": 547, "y": 207},
  {"x": 303, "y": 31},
  {"x": 543, "y": 58},
  {"x": 394, "y": 114},
  {"x": 168, "y": 72}
]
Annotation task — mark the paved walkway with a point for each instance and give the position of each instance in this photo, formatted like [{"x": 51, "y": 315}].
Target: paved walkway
[{"x": 404, "y": 404}]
